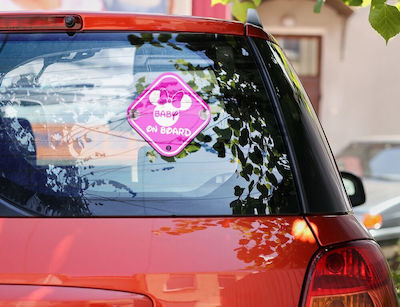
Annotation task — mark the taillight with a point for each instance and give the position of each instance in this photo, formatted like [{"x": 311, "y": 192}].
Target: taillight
[
  {"x": 353, "y": 275},
  {"x": 27, "y": 22}
]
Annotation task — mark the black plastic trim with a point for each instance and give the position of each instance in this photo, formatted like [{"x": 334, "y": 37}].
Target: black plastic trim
[{"x": 281, "y": 123}]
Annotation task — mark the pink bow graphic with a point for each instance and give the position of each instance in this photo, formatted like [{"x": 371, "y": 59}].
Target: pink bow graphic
[{"x": 175, "y": 99}]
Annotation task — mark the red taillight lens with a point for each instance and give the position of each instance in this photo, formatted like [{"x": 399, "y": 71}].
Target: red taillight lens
[
  {"x": 40, "y": 22},
  {"x": 353, "y": 275}
]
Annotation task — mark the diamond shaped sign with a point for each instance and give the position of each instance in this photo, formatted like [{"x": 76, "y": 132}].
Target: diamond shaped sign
[{"x": 169, "y": 114}]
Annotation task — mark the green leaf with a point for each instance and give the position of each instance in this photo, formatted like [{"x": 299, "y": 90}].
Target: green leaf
[
  {"x": 241, "y": 157},
  {"x": 200, "y": 73},
  {"x": 219, "y": 147},
  {"x": 318, "y": 5},
  {"x": 151, "y": 155},
  {"x": 225, "y": 134},
  {"x": 157, "y": 44},
  {"x": 208, "y": 88},
  {"x": 262, "y": 188},
  {"x": 247, "y": 171},
  {"x": 204, "y": 138},
  {"x": 224, "y": 2},
  {"x": 236, "y": 206},
  {"x": 164, "y": 37},
  {"x": 271, "y": 178},
  {"x": 353, "y": 2},
  {"x": 257, "y": 2},
  {"x": 256, "y": 156},
  {"x": 181, "y": 155},
  {"x": 251, "y": 186},
  {"x": 135, "y": 40},
  {"x": 147, "y": 37},
  {"x": 168, "y": 159},
  {"x": 238, "y": 191},
  {"x": 244, "y": 137},
  {"x": 239, "y": 9},
  {"x": 139, "y": 88},
  {"x": 234, "y": 150},
  {"x": 193, "y": 147},
  {"x": 174, "y": 46},
  {"x": 385, "y": 19}
]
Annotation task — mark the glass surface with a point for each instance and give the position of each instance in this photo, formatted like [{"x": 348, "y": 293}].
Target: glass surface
[
  {"x": 67, "y": 148},
  {"x": 322, "y": 184},
  {"x": 302, "y": 53},
  {"x": 349, "y": 186}
]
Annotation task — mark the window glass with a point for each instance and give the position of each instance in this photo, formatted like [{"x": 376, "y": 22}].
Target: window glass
[
  {"x": 324, "y": 191},
  {"x": 68, "y": 149},
  {"x": 303, "y": 53}
]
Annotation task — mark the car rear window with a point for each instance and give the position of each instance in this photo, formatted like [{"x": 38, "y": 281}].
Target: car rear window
[{"x": 72, "y": 142}]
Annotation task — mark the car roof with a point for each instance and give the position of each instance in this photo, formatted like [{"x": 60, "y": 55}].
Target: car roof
[{"x": 122, "y": 21}]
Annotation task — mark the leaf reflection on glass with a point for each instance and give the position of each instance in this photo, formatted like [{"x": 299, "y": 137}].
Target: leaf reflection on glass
[
  {"x": 48, "y": 190},
  {"x": 243, "y": 131}
]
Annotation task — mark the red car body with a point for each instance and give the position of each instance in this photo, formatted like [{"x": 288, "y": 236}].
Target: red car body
[
  {"x": 174, "y": 261},
  {"x": 226, "y": 261}
]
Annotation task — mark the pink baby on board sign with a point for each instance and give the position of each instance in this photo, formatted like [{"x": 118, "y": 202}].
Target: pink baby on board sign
[{"x": 169, "y": 114}]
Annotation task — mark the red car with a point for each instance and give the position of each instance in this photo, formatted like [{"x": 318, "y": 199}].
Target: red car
[{"x": 169, "y": 161}]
